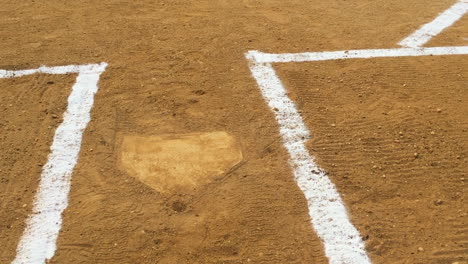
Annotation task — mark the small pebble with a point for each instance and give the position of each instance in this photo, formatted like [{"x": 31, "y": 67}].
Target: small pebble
[{"x": 420, "y": 249}]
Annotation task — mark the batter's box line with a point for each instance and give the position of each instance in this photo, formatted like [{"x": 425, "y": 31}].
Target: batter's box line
[
  {"x": 38, "y": 242},
  {"x": 260, "y": 57},
  {"x": 328, "y": 214}
]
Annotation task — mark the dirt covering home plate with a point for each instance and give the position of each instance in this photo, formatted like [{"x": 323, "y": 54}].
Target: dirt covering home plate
[{"x": 172, "y": 163}]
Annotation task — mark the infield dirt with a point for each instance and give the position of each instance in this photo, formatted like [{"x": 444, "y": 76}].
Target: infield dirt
[{"x": 392, "y": 133}]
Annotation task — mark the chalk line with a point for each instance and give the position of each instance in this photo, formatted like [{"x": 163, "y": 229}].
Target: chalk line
[
  {"x": 341, "y": 240},
  {"x": 87, "y": 68},
  {"x": 435, "y": 27},
  {"x": 261, "y": 57},
  {"x": 38, "y": 243},
  {"x": 329, "y": 218}
]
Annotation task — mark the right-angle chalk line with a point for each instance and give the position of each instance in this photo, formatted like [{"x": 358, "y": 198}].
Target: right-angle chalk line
[
  {"x": 342, "y": 241},
  {"x": 38, "y": 242}
]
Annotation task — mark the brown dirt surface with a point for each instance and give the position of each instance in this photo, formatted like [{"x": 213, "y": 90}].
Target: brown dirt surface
[
  {"x": 455, "y": 35},
  {"x": 178, "y": 67},
  {"x": 392, "y": 134},
  {"x": 32, "y": 107}
]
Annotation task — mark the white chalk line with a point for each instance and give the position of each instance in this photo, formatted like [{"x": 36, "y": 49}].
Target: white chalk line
[
  {"x": 341, "y": 240},
  {"x": 87, "y": 68},
  {"x": 435, "y": 27},
  {"x": 38, "y": 242},
  {"x": 261, "y": 57}
]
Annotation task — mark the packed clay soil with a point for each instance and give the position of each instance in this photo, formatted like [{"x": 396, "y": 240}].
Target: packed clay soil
[
  {"x": 31, "y": 110},
  {"x": 395, "y": 149},
  {"x": 391, "y": 133}
]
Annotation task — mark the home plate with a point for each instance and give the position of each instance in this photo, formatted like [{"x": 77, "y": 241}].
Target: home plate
[{"x": 181, "y": 162}]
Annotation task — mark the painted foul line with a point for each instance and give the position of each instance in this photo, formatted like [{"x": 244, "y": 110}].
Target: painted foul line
[
  {"x": 38, "y": 243},
  {"x": 429, "y": 30},
  {"x": 341, "y": 240}
]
